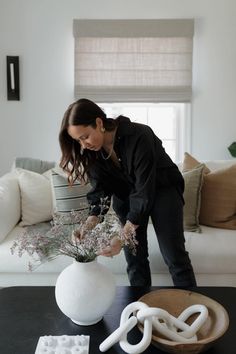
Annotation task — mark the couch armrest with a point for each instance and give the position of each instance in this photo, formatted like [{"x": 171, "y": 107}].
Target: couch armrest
[{"x": 9, "y": 204}]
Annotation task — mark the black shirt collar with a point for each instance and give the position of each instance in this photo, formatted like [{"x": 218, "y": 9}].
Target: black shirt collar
[{"x": 124, "y": 127}]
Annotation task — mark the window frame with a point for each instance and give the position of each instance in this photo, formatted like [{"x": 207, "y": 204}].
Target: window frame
[{"x": 182, "y": 121}]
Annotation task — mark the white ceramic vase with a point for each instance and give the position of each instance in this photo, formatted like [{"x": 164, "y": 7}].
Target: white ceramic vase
[{"x": 85, "y": 291}]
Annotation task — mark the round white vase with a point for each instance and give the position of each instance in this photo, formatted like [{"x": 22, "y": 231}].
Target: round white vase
[{"x": 85, "y": 291}]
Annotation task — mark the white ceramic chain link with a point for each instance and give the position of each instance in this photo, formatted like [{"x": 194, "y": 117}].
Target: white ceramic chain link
[{"x": 172, "y": 328}]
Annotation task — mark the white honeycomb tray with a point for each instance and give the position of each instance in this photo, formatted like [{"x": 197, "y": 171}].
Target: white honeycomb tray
[{"x": 63, "y": 345}]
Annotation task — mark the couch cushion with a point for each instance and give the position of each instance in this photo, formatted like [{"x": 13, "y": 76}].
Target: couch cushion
[
  {"x": 192, "y": 196},
  {"x": 36, "y": 197},
  {"x": 9, "y": 204},
  {"x": 67, "y": 198},
  {"x": 212, "y": 251}
]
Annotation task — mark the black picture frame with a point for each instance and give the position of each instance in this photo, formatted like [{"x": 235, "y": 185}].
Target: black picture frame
[{"x": 13, "y": 78}]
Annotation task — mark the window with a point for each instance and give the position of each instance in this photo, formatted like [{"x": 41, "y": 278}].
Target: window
[
  {"x": 141, "y": 69},
  {"x": 134, "y": 60},
  {"x": 169, "y": 121}
]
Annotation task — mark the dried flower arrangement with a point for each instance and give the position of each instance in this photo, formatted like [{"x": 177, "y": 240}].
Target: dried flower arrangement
[{"x": 63, "y": 238}]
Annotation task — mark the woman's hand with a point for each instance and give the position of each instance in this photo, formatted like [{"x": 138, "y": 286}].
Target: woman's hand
[
  {"x": 128, "y": 230},
  {"x": 90, "y": 223},
  {"x": 112, "y": 250}
]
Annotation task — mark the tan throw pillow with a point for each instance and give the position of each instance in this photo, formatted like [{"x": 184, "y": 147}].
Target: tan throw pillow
[
  {"x": 190, "y": 162},
  {"x": 192, "y": 196},
  {"x": 218, "y": 205}
]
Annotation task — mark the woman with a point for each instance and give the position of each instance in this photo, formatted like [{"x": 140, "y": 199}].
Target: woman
[{"x": 127, "y": 162}]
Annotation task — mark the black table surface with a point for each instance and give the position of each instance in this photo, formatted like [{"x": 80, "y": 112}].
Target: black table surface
[{"x": 26, "y": 313}]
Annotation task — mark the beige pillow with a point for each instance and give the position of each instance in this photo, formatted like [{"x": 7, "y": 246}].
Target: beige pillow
[
  {"x": 190, "y": 162},
  {"x": 218, "y": 195},
  {"x": 218, "y": 205},
  {"x": 192, "y": 196},
  {"x": 36, "y": 197},
  {"x": 9, "y": 204}
]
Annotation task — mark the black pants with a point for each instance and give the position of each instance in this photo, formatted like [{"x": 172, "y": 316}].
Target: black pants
[{"x": 167, "y": 219}]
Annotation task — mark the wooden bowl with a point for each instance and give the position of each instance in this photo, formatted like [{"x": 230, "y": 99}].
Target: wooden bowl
[{"x": 175, "y": 301}]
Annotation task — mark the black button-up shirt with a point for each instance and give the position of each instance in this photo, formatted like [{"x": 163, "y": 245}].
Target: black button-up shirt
[{"x": 144, "y": 167}]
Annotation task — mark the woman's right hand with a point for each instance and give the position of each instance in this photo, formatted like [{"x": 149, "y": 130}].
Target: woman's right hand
[
  {"x": 113, "y": 249},
  {"x": 90, "y": 223}
]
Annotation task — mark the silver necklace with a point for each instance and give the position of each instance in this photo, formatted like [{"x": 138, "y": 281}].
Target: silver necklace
[
  {"x": 108, "y": 156},
  {"x": 112, "y": 149}
]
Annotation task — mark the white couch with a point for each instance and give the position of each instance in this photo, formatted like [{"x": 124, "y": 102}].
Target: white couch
[{"x": 213, "y": 252}]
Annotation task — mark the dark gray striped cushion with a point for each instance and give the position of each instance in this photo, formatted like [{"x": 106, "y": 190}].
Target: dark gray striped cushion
[{"x": 69, "y": 197}]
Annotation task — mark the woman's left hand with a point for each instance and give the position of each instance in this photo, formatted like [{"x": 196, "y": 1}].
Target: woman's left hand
[
  {"x": 112, "y": 250},
  {"x": 129, "y": 230}
]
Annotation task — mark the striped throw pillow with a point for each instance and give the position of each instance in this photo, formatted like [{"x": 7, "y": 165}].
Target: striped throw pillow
[{"x": 67, "y": 197}]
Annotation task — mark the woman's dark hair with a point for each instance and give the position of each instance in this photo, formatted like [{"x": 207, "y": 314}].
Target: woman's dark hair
[{"x": 76, "y": 161}]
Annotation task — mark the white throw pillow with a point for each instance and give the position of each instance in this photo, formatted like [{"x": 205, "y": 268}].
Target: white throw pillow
[
  {"x": 36, "y": 197},
  {"x": 9, "y": 204}
]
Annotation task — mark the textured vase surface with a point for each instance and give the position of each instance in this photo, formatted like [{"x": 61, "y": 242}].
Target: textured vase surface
[{"x": 85, "y": 291}]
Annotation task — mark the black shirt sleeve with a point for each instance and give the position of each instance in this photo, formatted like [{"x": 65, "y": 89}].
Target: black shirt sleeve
[{"x": 144, "y": 156}]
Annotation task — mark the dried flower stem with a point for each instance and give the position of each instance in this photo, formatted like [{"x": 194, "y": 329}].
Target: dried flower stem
[{"x": 64, "y": 238}]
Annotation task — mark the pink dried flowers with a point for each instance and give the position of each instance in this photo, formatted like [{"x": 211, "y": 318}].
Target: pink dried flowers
[{"x": 63, "y": 238}]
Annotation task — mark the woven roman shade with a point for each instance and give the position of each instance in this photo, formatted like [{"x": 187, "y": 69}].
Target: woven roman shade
[{"x": 134, "y": 60}]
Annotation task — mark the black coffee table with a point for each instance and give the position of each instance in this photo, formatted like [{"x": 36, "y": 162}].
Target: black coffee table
[{"x": 26, "y": 313}]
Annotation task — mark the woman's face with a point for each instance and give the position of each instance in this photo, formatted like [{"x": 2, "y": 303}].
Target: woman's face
[{"x": 89, "y": 137}]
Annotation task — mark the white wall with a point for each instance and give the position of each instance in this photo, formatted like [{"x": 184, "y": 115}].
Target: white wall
[{"x": 40, "y": 32}]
